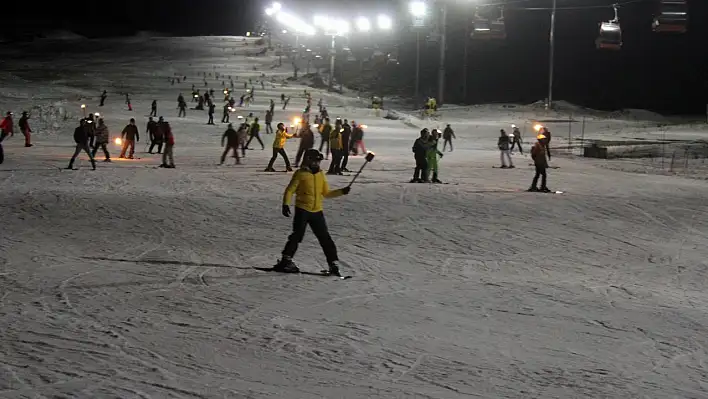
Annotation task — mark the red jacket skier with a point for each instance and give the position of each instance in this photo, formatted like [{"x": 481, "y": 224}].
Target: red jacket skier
[{"x": 25, "y": 128}]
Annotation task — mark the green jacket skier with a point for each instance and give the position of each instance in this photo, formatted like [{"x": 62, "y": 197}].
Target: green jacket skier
[{"x": 432, "y": 153}]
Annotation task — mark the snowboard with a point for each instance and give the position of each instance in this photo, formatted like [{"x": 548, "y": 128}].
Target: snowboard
[{"x": 323, "y": 273}]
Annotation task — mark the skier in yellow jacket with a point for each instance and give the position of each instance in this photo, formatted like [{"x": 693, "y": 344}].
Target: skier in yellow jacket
[
  {"x": 310, "y": 188},
  {"x": 281, "y": 136}
]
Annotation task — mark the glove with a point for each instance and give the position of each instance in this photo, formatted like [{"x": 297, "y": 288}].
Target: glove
[
  {"x": 286, "y": 211},
  {"x": 346, "y": 190}
]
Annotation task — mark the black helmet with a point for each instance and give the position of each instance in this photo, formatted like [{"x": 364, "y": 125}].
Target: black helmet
[{"x": 312, "y": 155}]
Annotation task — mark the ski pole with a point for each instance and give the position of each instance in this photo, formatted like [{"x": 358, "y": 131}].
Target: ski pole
[{"x": 369, "y": 157}]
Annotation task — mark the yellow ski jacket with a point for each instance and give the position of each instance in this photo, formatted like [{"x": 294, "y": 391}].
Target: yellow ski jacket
[
  {"x": 309, "y": 189},
  {"x": 280, "y": 137}
]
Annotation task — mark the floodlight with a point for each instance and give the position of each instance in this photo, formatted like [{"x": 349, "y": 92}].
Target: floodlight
[
  {"x": 384, "y": 22},
  {"x": 418, "y": 9},
  {"x": 363, "y": 24},
  {"x": 269, "y": 11},
  {"x": 284, "y": 31},
  {"x": 276, "y": 6}
]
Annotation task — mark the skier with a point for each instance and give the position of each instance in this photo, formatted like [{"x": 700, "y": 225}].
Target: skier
[
  {"x": 335, "y": 145},
  {"x": 155, "y": 134},
  {"x": 6, "y": 127},
  {"x": 242, "y": 135},
  {"x": 103, "y": 98},
  {"x": 310, "y": 188},
  {"x": 420, "y": 148},
  {"x": 281, "y": 135},
  {"x": 346, "y": 140},
  {"x": 211, "y": 114},
  {"x": 272, "y": 107},
  {"x": 282, "y": 98},
  {"x": 538, "y": 154},
  {"x": 432, "y": 153},
  {"x": 254, "y": 133},
  {"x": 225, "y": 115},
  {"x": 503, "y": 144},
  {"x": 182, "y": 105},
  {"x": 130, "y": 135},
  {"x": 325, "y": 130},
  {"x": 285, "y": 104},
  {"x": 82, "y": 143},
  {"x": 268, "y": 121},
  {"x": 169, "y": 146},
  {"x": 307, "y": 141},
  {"x": 127, "y": 98},
  {"x": 516, "y": 140},
  {"x": 232, "y": 142},
  {"x": 153, "y": 108},
  {"x": 357, "y": 139},
  {"x": 25, "y": 128},
  {"x": 448, "y": 135},
  {"x": 102, "y": 137}
]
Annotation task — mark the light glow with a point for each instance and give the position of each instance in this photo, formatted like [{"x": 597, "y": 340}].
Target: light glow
[
  {"x": 118, "y": 141},
  {"x": 418, "y": 9},
  {"x": 363, "y": 24},
  {"x": 384, "y": 22},
  {"x": 537, "y": 127}
]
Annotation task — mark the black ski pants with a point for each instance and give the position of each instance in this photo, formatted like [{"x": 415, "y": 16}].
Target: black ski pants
[
  {"x": 257, "y": 137},
  {"x": 517, "y": 143},
  {"x": 325, "y": 140},
  {"x": 345, "y": 157},
  {"x": 81, "y": 147},
  {"x": 446, "y": 142},
  {"x": 335, "y": 164},
  {"x": 104, "y": 147},
  {"x": 182, "y": 112},
  {"x": 269, "y": 128},
  {"x": 154, "y": 143},
  {"x": 540, "y": 171},
  {"x": 316, "y": 221},
  {"x": 282, "y": 153},
  {"x": 421, "y": 168},
  {"x": 228, "y": 148},
  {"x": 211, "y": 119},
  {"x": 153, "y": 112}
]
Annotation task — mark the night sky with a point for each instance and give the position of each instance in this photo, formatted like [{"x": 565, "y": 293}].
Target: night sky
[{"x": 666, "y": 73}]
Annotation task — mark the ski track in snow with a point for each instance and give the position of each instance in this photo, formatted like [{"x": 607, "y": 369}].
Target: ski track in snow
[{"x": 136, "y": 282}]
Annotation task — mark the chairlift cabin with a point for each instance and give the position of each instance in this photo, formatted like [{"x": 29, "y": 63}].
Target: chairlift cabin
[
  {"x": 672, "y": 17},
  {"x": 488, "y": 29},
  {"x": 610, "y": 37}
]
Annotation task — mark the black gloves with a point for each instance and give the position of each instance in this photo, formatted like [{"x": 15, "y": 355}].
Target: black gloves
[
  {"x": 286, "y": 211},
  {"x": 346, "y": 190}
]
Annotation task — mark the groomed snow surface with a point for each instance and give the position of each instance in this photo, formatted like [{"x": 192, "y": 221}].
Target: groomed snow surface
[{"x": 137, "y": 282}]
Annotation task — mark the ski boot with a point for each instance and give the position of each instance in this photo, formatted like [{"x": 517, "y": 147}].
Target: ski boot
[
  {"x": 545, "y": 190},
  {"x": 334, "y": 269},
  {"x": 269, "y": 170},
  {"x": 414, "y": 180},
  {"x": 532, "y": 190},
  {"x": 288, "y": 168},
  {"x": 93, "y": 164},
  {"x": 107, "y": 160},
  {"x": 437, "y": 181},
  {"x": 286, "y": 265},
  {"x": 346, "y": 170}
]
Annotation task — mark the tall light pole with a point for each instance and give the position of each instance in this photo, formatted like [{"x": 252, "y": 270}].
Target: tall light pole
[
  {"x": 551, "y": 55},
  {"x": 443, "y": 45},
  {"x": 418, "y": 10}
]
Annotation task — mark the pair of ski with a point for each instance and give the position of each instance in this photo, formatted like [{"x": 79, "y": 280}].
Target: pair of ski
[{"x": 323, "y": 273}]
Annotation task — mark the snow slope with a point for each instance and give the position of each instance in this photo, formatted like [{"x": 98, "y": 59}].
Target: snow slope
[{"x": 136, "y": 282}]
